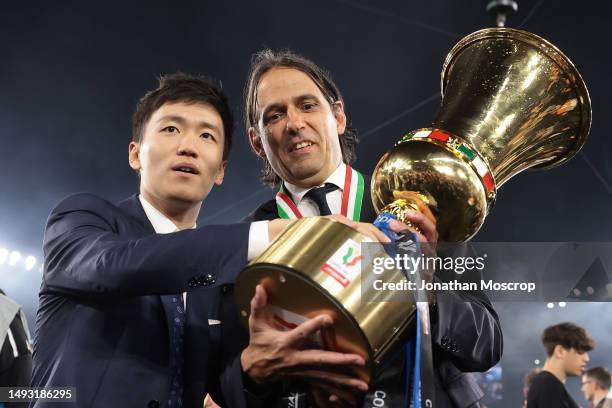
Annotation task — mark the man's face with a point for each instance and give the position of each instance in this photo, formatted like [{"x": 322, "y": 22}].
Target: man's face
[
  {"x": 180, "y": 156},
  {"x": 297, "y": 128},
  {"x": 588, "y": 388},
  {"x": 574, "y": 362}
]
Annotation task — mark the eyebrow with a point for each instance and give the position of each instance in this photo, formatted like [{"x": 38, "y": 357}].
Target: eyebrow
[{"x": 181, "y": 120}]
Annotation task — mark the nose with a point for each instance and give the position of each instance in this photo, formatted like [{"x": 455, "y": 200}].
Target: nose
[
  {"x": 586, "y": 357},
  {"x": 295, "y": 120},
  {"x": 187, "y": 145}
]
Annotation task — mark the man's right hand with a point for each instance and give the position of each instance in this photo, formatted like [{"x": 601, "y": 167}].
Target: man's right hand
[
  {"x": 279, "y": 225},
  {"x": 274, "y": 354}
]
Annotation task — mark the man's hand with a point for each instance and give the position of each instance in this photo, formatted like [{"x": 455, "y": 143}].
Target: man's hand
[
  {"x": 423, "y": 219},
  {"x": 278, "y": 226},
  {"x": 274, "y": 354},
  {"x": 365, "y": 228}
]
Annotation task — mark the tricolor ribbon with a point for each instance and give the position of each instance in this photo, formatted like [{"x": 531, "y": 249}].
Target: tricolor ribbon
[{"x": 352, "y": 197}]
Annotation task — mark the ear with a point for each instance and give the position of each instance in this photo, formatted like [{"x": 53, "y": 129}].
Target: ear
[
  {"x": 255, "y": 142},
  {"x": 338, "y": 110},
  {"x": 134, "y": 156},
  {"x": 559, "y": 351},
  {"x": 221, "y": 173}
]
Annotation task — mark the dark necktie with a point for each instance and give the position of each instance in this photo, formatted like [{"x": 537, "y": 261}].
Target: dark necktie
[
  {"x": 318, "y": 196},
  {"x": 178, "y": 329}
]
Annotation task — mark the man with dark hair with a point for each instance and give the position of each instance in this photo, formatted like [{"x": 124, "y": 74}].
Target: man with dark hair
[
  {"x": 596, "y": 385},
  {"x": 119, "y": 280},
  {"x": 567, "y": 347},
  {"x": 296, "y": 123},
  {"x": 124, "y": 317}
]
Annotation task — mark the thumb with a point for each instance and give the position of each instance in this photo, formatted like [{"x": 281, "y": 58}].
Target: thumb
[{"x": 257, "y": 319}]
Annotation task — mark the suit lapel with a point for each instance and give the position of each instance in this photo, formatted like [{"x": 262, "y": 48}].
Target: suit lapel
[
  {"x": 133, "y": 207},
  {"x": 368, "y": 214}
]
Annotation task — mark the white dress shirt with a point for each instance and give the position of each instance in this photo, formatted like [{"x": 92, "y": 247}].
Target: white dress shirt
[
  {"x": 258, "y": 238},
  {"x": 309, "y": 208}
]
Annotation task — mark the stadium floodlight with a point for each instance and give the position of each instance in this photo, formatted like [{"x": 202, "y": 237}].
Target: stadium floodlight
[
  {"x": 14, "y": 257},
  {"x": 30, "y": 261}
]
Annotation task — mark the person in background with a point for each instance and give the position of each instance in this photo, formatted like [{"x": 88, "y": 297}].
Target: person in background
[
  {"x": 567, "y": 346},
  {"x": 596, "y": 385},
  {"x": 15, "y": 345}
]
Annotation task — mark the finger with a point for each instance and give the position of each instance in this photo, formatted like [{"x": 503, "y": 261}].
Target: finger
[
  {"x": 373, "y": 232},
  {"x": 306, "y": 329},
  {"x": 258, "y": 304},
  {"x": 324, "y": 357},
  {"x": 380, "y": 236},
  {"x": 424, "y": 224},
  {"x": 342, "y": 219},
  {"x": 331, "y": 377}
]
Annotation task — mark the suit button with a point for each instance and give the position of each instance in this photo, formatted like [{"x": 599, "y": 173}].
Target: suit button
[
  {"x": 153, "y": 404},
  {"x": 225, "y": 289}
]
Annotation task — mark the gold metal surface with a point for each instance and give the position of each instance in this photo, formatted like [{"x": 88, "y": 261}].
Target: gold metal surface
[
  {"x": 427, "y": 167},
  {"x": 516, "y": 100},
  {"x": 290, "y": 271}
]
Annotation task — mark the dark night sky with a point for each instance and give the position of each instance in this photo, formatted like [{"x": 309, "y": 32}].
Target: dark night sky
[{"x": 71, "y": 73}]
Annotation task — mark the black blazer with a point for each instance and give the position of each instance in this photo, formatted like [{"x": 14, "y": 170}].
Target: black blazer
[
  {"x": 466, "y": 333},
  {"x": 102, "y": 325}
]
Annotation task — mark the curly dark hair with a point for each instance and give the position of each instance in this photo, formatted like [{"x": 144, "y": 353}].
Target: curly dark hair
[
  {"x": 265, "y": 60},
  {"x": 567, "y": 335}
]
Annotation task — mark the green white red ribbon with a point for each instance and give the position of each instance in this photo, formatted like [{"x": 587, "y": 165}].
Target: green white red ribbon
[{"x": 352, "y": 198}]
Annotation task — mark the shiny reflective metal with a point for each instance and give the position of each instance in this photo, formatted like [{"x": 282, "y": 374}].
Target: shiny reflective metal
[
  {"x": 510, "y": 96},
  {"x": 511, "y": 101},
  {"x": 293, "y": 272}
]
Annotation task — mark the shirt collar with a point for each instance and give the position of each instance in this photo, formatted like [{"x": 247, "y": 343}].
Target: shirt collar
[
  {"x": 161, "y": 223},
  {"x": 336, "y": 178}
]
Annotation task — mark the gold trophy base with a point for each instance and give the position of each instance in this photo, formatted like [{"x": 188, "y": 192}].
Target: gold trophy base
[{"x": 303, "y": 277}]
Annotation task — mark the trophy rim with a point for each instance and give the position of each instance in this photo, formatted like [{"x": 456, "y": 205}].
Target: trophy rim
[
  {"x": 257, "y": 268},
  {"x": 552, "y": 52}
]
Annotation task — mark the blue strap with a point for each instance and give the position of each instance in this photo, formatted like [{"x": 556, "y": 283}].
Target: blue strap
[
  {"x": 382, "y": 223},
  {"x": 408, "y": 352}
]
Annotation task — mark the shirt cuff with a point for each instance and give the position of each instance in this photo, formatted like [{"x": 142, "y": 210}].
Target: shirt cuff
[{"x": 258, "y": 239}]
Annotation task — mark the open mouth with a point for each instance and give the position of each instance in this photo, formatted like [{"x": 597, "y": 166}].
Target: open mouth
[
  {"x": 300, "y": 145},
  {"x": 186, "y": 169}
]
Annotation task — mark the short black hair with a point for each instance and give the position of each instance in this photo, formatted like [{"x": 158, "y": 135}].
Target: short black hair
[
  {"x": 567, "y": 335},
  {"x": 267, "y": 59},
  {"x": 181, "y": 87},
  {"x": 601, "y": 375}
]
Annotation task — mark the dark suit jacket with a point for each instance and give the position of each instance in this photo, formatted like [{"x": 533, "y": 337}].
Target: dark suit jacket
[
  {"x": 466, "y": 333},
  {"x": 102, "y": 325}
]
